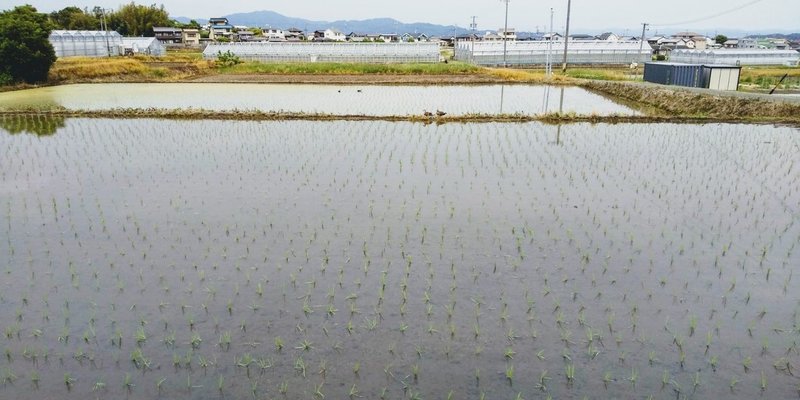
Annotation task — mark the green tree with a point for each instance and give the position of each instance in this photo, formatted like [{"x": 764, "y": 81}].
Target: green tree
[
  {"x": 138, "y": 20},
  {"x": 26, "y": 54},
  {"x": 73, "y": 18},
  {"x": 191, "y": 25},
  {"x": 720, "y": 39}
]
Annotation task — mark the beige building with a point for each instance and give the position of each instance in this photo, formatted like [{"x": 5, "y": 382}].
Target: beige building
[{"x": 191, "y": 37}]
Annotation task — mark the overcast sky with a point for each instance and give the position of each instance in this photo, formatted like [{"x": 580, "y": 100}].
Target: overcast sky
[{"x": 527, "y": 15}]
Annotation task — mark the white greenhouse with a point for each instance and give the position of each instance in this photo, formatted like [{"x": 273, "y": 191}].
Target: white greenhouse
[
  {"x": 522, "y": 53},
  {"x": 85, "y": 43},
  {"x": 142, "y": 46},
  {"x": 376, "y": 53},
  {"x": 736, "y": 57}
]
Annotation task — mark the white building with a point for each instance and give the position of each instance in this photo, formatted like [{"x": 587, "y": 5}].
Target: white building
[
  {"x": 84, "y": 43},
  {"x": 274, "y": 34},
  {"x": 335, "y": 35},
  {"x": 509, "y": 34},
  {"x": 142, "y": 46}
]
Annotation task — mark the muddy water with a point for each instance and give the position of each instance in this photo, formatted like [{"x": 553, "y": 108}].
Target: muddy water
[
  {"x": 326, "y": 99},
  {"x": 376, "y": 250}
]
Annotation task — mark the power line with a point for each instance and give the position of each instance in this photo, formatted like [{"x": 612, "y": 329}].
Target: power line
[{"x": 728, "y": 11}]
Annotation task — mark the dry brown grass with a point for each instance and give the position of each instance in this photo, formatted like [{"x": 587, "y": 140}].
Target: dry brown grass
[
  {"x": 92, "y": 68},
  {"x": 127, "y": 69},
  {"x": 528, "y": 76}
]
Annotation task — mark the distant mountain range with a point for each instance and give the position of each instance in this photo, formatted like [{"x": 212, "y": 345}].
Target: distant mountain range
[
  {"x": 792, "y": 36},
  {"x": 263, "y": 19}
]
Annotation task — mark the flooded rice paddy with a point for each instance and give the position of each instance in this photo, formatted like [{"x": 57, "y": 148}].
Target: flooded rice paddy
[
  {"x": 300, "y": 260},
  {"x": 369, "y": 100}
]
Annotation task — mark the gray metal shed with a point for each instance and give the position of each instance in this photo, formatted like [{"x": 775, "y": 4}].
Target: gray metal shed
[
  {"x": 721, "y": 77},
  {"x": 673, "y": 74},
  {"x": 708, "y": 76}
]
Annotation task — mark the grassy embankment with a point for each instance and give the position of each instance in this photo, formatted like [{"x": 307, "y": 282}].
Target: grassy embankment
[{"x": 694, "y": 105}]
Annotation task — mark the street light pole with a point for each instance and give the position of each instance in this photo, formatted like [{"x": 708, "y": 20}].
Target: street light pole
[
  {"x": 505, "y": 36},
  {"x": 566, "y": 37}
]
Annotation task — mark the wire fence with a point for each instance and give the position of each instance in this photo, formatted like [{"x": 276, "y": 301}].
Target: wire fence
[
  {"x": 85, "y": 43},
  {"x": 529, "y": 53},
  {"x": 373, "y": 53}
]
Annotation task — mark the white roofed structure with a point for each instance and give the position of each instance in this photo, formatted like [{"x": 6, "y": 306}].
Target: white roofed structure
[{"x": 85, "y": 43}]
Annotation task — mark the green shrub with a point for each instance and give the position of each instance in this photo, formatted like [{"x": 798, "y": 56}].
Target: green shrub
[{"x": 227, "y": 59}]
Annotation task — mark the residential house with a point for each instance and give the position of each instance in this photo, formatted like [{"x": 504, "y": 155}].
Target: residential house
[
  {"x": 372, "y": 37},
  {"x": 244, "y": 36},
  {"x": 693, "y": 40},
  {"x": 190, "y": 37},
  {"x": 581, "y": 36},
  {"x": 748, "y": 43},
  {"x": 470, "y": 37},
  {"x": 421, "y": 37},
  {"x": 507, "y": 34},
  {"x": 219, "y": 28},
  {"x": 609, "y": 37},
  {"x": 168, "y": 35},
  {"x": 356, "y": 37},
  {"x": 686, "y": 35},
  {"x": 491, "y": 37},
  {"x": 294, "y": 34},
  {"x": 335, "y": 35},
  {"x": 530, "y": 37},
  {"x": 731, "y": 44},
  {"x": 780, "y": 44},
  {"x": 274, "y": 34},
  {"x": 329, "y": 35},
  {"x": 389, "y": 37},
  {"x": 552, "y": 36},
  {"x": 439, "y": 40},
  {"x": 663, "y": 45}
]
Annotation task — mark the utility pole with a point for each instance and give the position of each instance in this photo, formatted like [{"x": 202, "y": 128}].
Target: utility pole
[
  {"x": 473, "y": 26},
  {"x": 104, "y": 27},
  {"x": 549, "y": 65},
  {"x": 641, "y": 40},
  {"x": 505, "y": 36},
  {"x": 566, "y": 37}
]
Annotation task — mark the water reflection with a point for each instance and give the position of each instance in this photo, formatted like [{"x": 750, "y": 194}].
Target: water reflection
[
  {"x": 502, "y": 96},
  {"x": 560, "y": 110},
  {"x": 374, "y": 100},
  {"x": 33, "y": 124}
]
